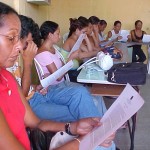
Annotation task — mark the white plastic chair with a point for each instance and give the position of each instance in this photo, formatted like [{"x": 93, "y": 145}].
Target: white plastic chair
[
  {"x": 40, "y": 71},
  {"x": 148, "y": 63},
  {"x": 63, "y": 60}
]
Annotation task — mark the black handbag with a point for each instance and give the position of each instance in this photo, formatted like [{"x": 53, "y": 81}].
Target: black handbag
[
  {"x": 123, "y": 73},
  {"x": 39, "y": 140}
]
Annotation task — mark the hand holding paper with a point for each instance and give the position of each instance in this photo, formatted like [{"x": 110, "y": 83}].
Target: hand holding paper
[
  {"x": 146, "y": 38},
  {"x": 126, "y": 105},
  {"x": 124, "y": 34},
  {"x": 77, "y": 44},
  {"x": 53, "y": 77}
]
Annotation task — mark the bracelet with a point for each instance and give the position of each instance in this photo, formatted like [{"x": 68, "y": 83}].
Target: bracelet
[{"x": 77, "y": 140}]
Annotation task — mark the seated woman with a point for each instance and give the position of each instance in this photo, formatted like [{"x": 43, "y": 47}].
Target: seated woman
[
  {"x": 78, "y": 27},
  {"x": 90, "y": 34},
  {"x": 49, "y": 58},
  {"x": 102, "y": 26},
  {"x": 94, "y": 20},
  {"x": 137, "y": 35},
  {"x": 114, "y": 34},
  {"x": 15, "y": 112}
]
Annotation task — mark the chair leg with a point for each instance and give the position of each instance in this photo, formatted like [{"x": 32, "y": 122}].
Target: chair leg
[{"x": 148, "y": 67}]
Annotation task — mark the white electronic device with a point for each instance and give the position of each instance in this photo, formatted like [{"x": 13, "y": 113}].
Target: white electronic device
[{"x": 104, "y": 61}]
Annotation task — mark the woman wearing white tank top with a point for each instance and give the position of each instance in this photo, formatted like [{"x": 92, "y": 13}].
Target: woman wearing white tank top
[{"x": 115, "y": 33}]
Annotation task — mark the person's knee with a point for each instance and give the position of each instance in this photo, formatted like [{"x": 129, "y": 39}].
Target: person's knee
[{"x": 82, "y": 90}]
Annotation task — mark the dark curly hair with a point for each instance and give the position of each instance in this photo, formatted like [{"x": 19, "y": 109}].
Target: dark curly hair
[
  {"x": 5, "y": 10},
  {"x": 117, "y": 22},
  {"x": 137, "y": 21},
  {"x": 79, "y": 23},
  {"x": 103, "y": 22},
  {"x": 48, "y": 27},
  {"x": 94, "y": 20},
  {"x": 29, "y": 26}
]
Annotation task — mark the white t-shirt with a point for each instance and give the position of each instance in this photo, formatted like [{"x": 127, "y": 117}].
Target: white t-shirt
[
  {"x": 114, "y": 35},
  {"x": 102, "y": 36}
]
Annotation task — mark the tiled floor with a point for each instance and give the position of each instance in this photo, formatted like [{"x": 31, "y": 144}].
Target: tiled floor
[{"x": 142, "y": 133}]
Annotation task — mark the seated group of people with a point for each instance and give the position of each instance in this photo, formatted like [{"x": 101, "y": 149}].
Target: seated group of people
[
  {"x": 136, "y": 35},
  {"x": 62, "y": 102},
  {"x": 93, "y": 28},
  {"x": 50, "y": 109}
]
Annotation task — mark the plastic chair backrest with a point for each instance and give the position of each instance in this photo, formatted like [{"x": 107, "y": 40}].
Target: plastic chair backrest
[
  {"x": 62, "y": 58},
  {"x": 39, "y": 70}
]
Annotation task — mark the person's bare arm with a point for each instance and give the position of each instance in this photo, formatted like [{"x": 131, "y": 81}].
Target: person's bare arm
[
  {"x": 88, "y": 44},
  {"x": 28, "y": 55},
  {"x": 133, "y": 37},
  {"x": 74, "y": 55},
  {"x": 83, "y": 55},
  {"x": 129, "y": 38},
  {"x": 108, "y": 35},
  {"x": 7, "y": 139},
  {"x": 95, "y": 39},
  {"x": 74, "y": 144},
  {"x": 52, "y": 68},
  {"x": 96, "y": 34},
  {"x": 68, "y": 44}
]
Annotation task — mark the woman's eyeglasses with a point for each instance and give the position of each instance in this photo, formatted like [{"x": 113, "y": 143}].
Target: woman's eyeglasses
[{"x": 13, "y": 39}]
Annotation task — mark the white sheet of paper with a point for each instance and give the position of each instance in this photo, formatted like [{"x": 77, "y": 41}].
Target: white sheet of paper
[
  {"x": 126, "y": 105},
  {"x": 124, "y": 34},
  {"x": 53, "y": 77},
  {"x": 77, "y": 44},
  {"x": 146, "y": 38}
]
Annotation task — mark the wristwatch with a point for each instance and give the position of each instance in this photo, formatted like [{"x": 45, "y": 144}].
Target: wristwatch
[{"x": 67, "y": 129}]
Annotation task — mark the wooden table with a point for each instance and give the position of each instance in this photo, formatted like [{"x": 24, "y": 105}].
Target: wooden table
[{"x": 107, "y": 89}]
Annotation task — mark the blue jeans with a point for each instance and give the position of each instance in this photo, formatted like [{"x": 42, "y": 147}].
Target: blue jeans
[
  {"x": 66, "y": 101},
  {"x": 112, "y": 147}
]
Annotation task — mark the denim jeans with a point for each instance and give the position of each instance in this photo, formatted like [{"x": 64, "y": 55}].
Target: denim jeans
[
  {"x": 112, "y": 147},
  {"x": 66, "y": 101}
]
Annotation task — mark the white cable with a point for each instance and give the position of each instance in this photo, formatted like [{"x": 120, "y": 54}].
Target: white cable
[{"x": 86, "y": 63}]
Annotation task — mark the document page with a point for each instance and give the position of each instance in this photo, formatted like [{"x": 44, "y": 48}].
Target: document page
[
  {"x": 124, "y": 34},
  {"x": 53, "y": 77},
  {"x": 126, "y": 105},
  {"x": 77, "y": 44},
  {"x": 146, "y": 38}
]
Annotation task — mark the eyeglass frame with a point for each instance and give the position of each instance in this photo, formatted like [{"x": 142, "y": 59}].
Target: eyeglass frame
[{"x": 12, "y": 39}]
